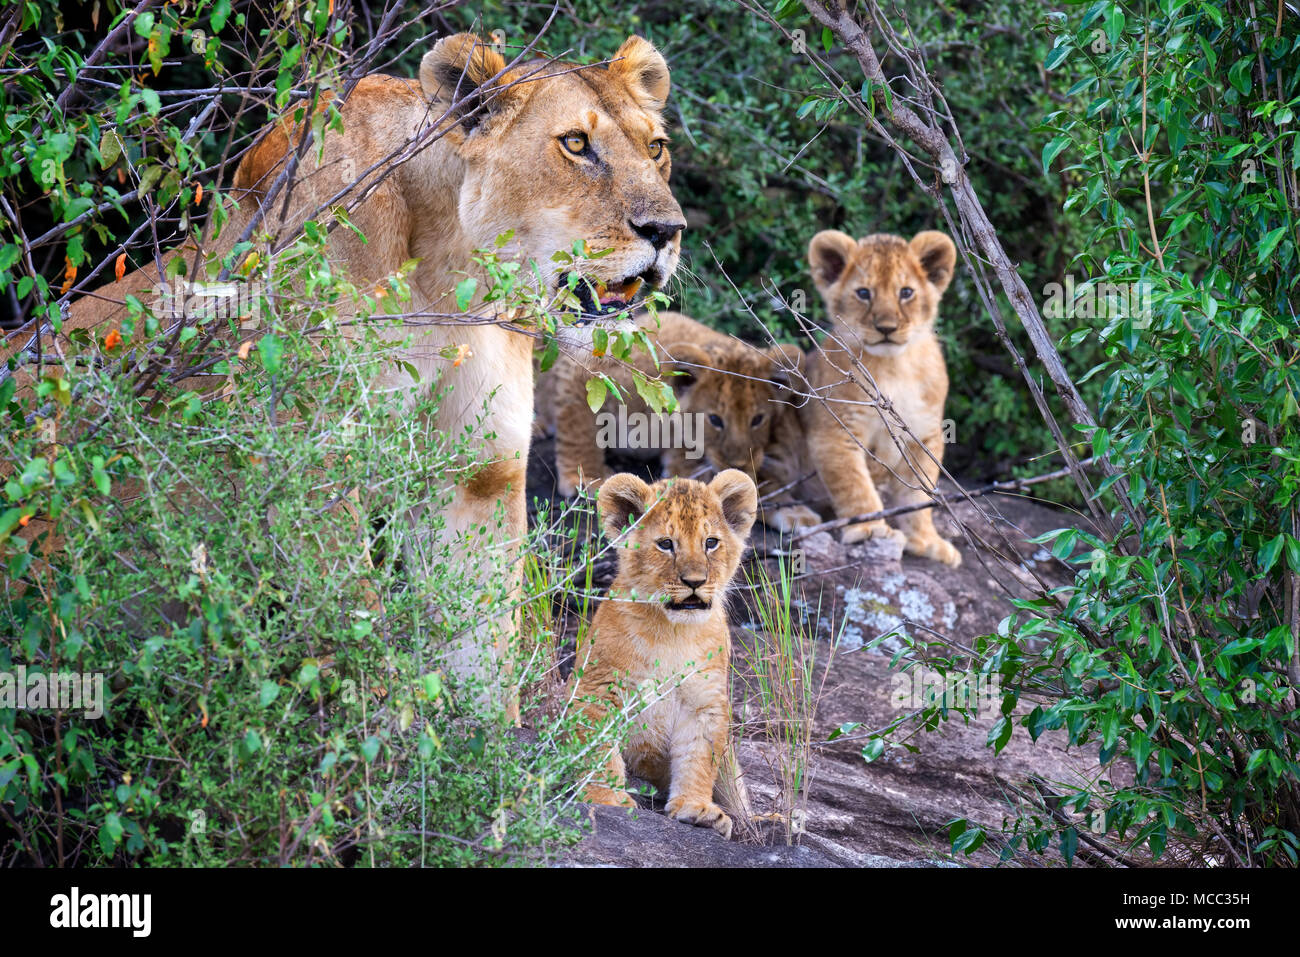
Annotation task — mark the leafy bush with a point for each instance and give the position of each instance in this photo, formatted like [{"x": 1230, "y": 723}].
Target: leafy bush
[
  {"x": 1175, "y": 648},
  {"x": 272, "y": 695}
]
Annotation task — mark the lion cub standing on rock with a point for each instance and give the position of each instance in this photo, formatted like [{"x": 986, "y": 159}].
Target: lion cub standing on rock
[
  {"x": 665, "y": 622},
  {"x": 882, "y": 293}
]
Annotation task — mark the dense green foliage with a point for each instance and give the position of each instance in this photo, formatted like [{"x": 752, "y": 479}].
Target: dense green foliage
[{"x": 1175, "y": 648}]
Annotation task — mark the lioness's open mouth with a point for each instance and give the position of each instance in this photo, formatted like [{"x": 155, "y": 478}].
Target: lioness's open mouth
[
  {"x": 694, "y": 603},
  {"x": 600, "y": 299}
]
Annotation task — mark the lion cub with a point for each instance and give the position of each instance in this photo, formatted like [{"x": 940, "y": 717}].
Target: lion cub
[
  {"x": 732, "y": 392},
  {"x": 664, "y": 622},
  {"x": 882, "y": 293}
]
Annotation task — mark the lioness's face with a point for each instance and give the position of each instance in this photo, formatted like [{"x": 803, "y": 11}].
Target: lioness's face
[
  {"x": 563, "y": 153},
  {"x": 736, "y": 390},
  {"x": 688, "y": 539},
  {"x": 881, "y": 291}
]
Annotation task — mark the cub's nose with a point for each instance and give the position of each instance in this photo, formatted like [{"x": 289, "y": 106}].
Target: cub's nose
[
  {"x": 886, "y": 328},
  {"x": 693, "y": 583},
  {"x": 659, "y": 234}
]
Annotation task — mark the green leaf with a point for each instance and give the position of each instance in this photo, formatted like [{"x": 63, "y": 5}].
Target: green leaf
[
  {"x": 1268, "y": 555},
  {"x": 271, "y": 350},
  {"x": 1052, "y": 149},
  {"x": 110, "y": 148},
  {"x": 270, "y": 691},
  {"x": 465, "y": 290},
  {"x": 596, "y": 392},
  {"x": 1056, "y": 56}
]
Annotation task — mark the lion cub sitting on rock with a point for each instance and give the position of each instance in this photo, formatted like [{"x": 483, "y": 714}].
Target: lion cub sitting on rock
[
  {"x": 882, "y": 293},
  {"x": 665, "y": 623}
]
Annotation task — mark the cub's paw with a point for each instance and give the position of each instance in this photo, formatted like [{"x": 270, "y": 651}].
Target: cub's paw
[
  {"x": 701, "y": 814},
  {"x": 935, "y": 549},
  {"x": 610, "y": 796},
  {"x": 862, "y": 531},
  {"x": 794, "y": 518}
]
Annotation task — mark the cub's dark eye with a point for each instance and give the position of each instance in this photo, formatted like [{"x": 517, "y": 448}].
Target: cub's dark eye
[
  {"x": 711, "y": 543},
  {"x": 575, "y": 143},
  {"x": 665, "y": 544},
  {"x": 757, "y": 421},
  {"x": 864, "y": 294},
  {"x": 906, "y": 293},
  {"x": 715, "y": 421},
  {"x": 657, "y": 149}
]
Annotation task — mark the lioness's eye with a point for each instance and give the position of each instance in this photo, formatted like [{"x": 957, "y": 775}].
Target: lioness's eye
[
  {"x": 711, "y": 543},
  {"x": 758, "y": 420},
  {"x": 905, "y": 293},
  {"x": 575, "y": 143},
  {"x": 864, "y": 294},
  {"x": 657, "y": 149},
  {"x": 665, "y": 544},
  {"x": 715, "y": 421}
]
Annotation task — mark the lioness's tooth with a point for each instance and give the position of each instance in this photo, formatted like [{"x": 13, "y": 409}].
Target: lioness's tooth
[{"x": 631, "y": 288}]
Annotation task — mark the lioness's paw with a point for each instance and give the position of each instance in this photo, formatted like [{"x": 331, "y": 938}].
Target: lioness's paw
[
  {"x": 935, "y": 549},
  {"x": 701, "y": 814},
  {"x": 864, "y": 530},
  {"x": 615, "y": 797},
  {"x": 794, "y": 518}
]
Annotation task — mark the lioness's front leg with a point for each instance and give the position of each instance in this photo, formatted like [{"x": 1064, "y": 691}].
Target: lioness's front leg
[
  {"x": 486, "y": 524},
  {"x": 842, "y": 466},
  {"x": 697, "y": 747},
  {"x": 922, "y": 538}
]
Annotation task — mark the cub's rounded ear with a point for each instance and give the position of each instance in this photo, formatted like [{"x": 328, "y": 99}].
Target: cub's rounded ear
[
  {"x": 643, "y": 71},
  {"x": 687, "y": 360},
  {"x": 938, "y": 256},
  {"x": 623, "y": 499},
  {"x": 828, "y": 256},
  {"x": 739, "y": 498},
  {"x": 788, "y": 363},
  {"x": 455, "y": 75}
]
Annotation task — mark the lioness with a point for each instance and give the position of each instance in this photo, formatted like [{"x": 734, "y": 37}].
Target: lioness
[
  {"x": 882, "y": 293},
  {"x": 665, "y": 618},
  {"x": 551, "y": 150}
]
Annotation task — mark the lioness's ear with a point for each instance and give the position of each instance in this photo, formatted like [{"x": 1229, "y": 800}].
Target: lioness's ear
[
  {"x": 644, "y": 72},
  {"x": 622, "y": 500},
  {"x": 938, "y": 256},
  {"x": 828, "y": 255},
  {"x": 739, "y": 498},
  {"x": 687, "y": 360},
  {"x": 788, "y": 362},
  {"x": 454, "y": 73}
]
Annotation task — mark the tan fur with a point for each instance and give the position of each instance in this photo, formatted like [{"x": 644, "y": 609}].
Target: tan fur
[
  {"x": 679, "y": 741},
  {"x": 502, "y": 168},
  {"x": 746, "y": 387},
  {"x": 891, "y": 336}
]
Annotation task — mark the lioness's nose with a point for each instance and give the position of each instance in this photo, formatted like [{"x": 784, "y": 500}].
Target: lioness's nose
[
  {"x": 693, "y": 583},
  {"x": 660, "y": 234}
]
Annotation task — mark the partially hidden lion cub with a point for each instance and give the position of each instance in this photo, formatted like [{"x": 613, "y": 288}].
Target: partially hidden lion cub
[
  {"x": 665, "y": 622},
  {"x": 738, "y": 396},
  {"x": 882, "y": 293}
]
